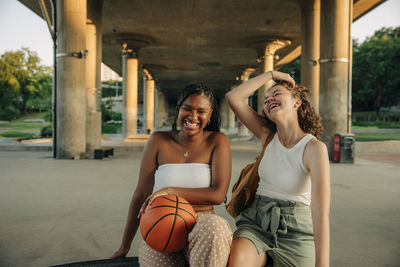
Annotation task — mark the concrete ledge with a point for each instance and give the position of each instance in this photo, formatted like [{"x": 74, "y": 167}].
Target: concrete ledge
[{"x": 137, "y": 137}]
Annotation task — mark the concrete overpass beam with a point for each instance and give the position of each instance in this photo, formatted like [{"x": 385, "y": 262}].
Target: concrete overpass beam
[
  {"x": 71, "y": 87},
  {"x": 93, "y": 76},
  {"x": 335, "y": 68},
  {"x": 310, "y": 35}
]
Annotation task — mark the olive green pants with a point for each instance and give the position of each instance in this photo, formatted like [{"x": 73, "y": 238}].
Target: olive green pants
[{"x": 282, "y": 229}]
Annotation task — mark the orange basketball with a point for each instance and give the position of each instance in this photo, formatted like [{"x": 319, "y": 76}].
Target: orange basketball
[{"x": 167, "y": 222}]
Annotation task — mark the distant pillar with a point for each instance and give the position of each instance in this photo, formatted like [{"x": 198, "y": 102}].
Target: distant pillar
[
  {"x": 267, "y": 65},
  {"x": 93, "y": 76},
  {"x": 150, "y": 105},
  {"x": 310, "y": 31},
  {"x": 334, "y": 68},
  {"x": 71, "y": 87},
  {"x": 242, "y": 130},
  {"x": 231, "y": 119},
  {"x": 160, "y": 109},
  {"x": 165, "y": 108},
  {"x": 130, "y": 93},
  {"x": 224, "y": 113}
]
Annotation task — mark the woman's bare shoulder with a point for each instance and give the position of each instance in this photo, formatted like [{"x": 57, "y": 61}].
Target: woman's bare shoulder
[
  {"x": 315, "y": 152},
  {"x": 217, "y": 138},
  {"x": 160, "y": 137},
  {"x": 216, "y": 134},
  {"x": 316, "y": 146}
]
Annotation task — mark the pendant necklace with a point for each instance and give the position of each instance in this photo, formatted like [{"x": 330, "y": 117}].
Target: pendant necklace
[{"x": 185, "y": 151}]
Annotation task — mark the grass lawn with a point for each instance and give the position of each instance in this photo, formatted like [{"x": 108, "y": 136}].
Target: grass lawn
[
  {"x": 26, "y": 130},
  {"x": 375, "y": 125},
  {"x": 367, "y": 137}
]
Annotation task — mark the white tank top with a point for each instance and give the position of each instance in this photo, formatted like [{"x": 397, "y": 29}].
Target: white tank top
[
  {"x": 186, "y": 175},
  {"x": 282, "y": 172}
]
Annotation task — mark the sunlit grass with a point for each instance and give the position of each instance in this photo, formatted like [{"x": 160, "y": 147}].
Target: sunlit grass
[
  {"x": 368, "y": 137},
  {"x": 21, "y": 129},
  {"x": 17, "y": 134},
  {"x": 375, "y": 125}
]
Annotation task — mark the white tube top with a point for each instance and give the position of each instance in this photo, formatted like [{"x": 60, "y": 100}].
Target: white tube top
[{"x": 186, "y": 175}]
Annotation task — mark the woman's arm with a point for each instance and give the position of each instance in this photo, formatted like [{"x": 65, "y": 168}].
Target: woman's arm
[
  {"x": 237, "y": 101},
  {"x": 221, "y": 165},
  {"x": 317, "y": 161},
  {"x": 143, "y": 189}
]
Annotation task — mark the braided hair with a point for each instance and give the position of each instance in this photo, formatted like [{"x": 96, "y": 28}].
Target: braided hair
[{"x": 199, "y": 89}]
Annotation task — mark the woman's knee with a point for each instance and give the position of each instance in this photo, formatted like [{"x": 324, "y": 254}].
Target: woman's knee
[
  {"x": 244, "y": 253},
  {"x": 214, "y": 226}
]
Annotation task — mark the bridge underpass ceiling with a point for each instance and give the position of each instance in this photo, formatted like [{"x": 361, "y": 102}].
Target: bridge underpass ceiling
[{"x": 189, "y": 41}]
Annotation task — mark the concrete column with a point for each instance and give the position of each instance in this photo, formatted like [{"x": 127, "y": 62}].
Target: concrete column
[
  {"x": 71, "y": 87},
  {"x": 231, "y": 119},
  {"x": 224, "y": 113},
  {"x": 334, "y": 68},
  {"x": 242, "y": 130},
  {"x": 144, "y": 103},
  {"x": 160, "y": 109},
  {"x": 267, "y": 64},
  {"x": 130, "y": 95},
  {"x": 149, "y": 112},
  {"x": 227, "y": 116},
  {"x": 93, "y": 76},
  {"x": 310, "y": 33},
  {"x": 165, "y": 110}
]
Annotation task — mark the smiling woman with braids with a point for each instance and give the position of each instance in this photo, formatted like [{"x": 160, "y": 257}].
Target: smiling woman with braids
[
  {"x": 192, "y": 161},
  {"x": 288, "y": 222}
]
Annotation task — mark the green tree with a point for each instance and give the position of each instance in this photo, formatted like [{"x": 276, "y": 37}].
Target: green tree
[
  {"x": 376, "y": 72},
  {"x": 22, "y": 78},
  {"x": 40, "y": 99},
  {"x": 9, "y": 113},
  {"x": 9, "y": 88}
]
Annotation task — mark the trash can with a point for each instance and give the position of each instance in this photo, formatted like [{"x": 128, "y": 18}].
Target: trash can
[{"x": 343, "y": 148}]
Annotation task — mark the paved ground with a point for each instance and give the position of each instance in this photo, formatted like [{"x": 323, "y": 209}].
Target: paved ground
[{"x": 60, "y": 211}]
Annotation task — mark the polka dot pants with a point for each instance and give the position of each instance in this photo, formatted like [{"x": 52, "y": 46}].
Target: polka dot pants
[{"x": 208, "y": 245}]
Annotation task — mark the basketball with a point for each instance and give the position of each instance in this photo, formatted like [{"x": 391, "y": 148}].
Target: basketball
[{"x": 167, "y": 222}]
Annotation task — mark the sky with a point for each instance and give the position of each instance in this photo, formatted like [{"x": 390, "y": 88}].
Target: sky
[{"x": 20, "y": 27}]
